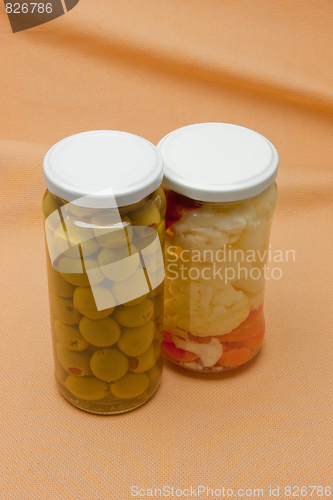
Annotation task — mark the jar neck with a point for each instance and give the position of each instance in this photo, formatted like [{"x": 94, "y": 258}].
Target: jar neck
[
  {"x": 181, "y": 199},
  {"x": 134, "y": 206}
]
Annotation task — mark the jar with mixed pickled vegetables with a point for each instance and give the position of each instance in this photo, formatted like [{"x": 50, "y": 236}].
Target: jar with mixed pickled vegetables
[
  {"x": 104, "y": 215},
  {"x": 220, "y": 185}
]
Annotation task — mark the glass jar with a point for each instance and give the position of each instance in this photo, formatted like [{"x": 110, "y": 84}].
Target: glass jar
[
  {"x": 221, "y": 196},
  {"x": 104, "y": 215}
]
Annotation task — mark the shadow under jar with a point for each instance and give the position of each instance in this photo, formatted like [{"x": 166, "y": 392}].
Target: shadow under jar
[
  {"x": 221, "y": 196},
  {"x": 104, "y": 215}
]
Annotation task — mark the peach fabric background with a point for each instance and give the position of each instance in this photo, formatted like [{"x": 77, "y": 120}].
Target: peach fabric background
[{"x": 149, "y": 67}]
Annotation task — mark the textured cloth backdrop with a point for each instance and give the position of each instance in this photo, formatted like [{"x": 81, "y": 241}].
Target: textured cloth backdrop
[{"x": 149, "y": 67}]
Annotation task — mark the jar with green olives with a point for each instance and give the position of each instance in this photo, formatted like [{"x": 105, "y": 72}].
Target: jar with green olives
[{"x": 104, "y": 215}]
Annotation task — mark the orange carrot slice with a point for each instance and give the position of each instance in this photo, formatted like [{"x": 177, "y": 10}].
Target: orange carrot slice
[
  {"x": 235, "y": 357},
  {"x": 255, "y": 314},
  {"x": 252, "y": 342},
  {"x": 178, "y": 354},
  {"x": 228, "y": 346},
  {"x": 256, "y": 341},
  {"x": 246, "y": 330},
  {"x": 240, "y": 334}
]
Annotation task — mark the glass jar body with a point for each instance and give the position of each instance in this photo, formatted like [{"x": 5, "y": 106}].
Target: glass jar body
[
  {"x": 216, "y": 266},
  {"x": 106, "y": 292}
]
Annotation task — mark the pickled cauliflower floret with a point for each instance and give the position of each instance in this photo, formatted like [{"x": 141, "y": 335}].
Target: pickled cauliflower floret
[
  {"x": 208, "y": 353},
  {"x": 212, "y": 227},
  {"x": 204, "y": 310}
]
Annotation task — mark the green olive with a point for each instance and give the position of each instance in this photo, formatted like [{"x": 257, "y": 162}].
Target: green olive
[
  {"x": 64, "y": 310},
  {"x": 145, "y": 217},
  {"x": 109, "y": 364},
  {"x": 69, "y": 234},
  {"x": 95, "y": 303},
  {"x": 70, "y": 337},
  {"x": 88, "y": 388},
  {"x": 134, "y": 316},
  {"x": 75, "y": 363},
  {"x": 118, "y": 264},
  {"x": 100, "y": 332},
  {"x": 130, "y": 386},
  {"x": 154, "y": 373},
  {"x": 133, "y": 289},
  {"x": 58, "y": 284},
  {"x": 135, "y": 341},
  {"x": 146, "y": 360},
  {"x": 72, "y": 270}
]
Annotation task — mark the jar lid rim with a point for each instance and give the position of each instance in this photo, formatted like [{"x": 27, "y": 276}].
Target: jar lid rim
[
  {"x": 103, "y": 168},
  {"x": 217, "y": 162}
]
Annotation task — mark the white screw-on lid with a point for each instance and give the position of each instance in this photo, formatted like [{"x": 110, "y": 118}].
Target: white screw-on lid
[
  {"x": 101, "y": 167},
  {"x": 217, "y": 162}
]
